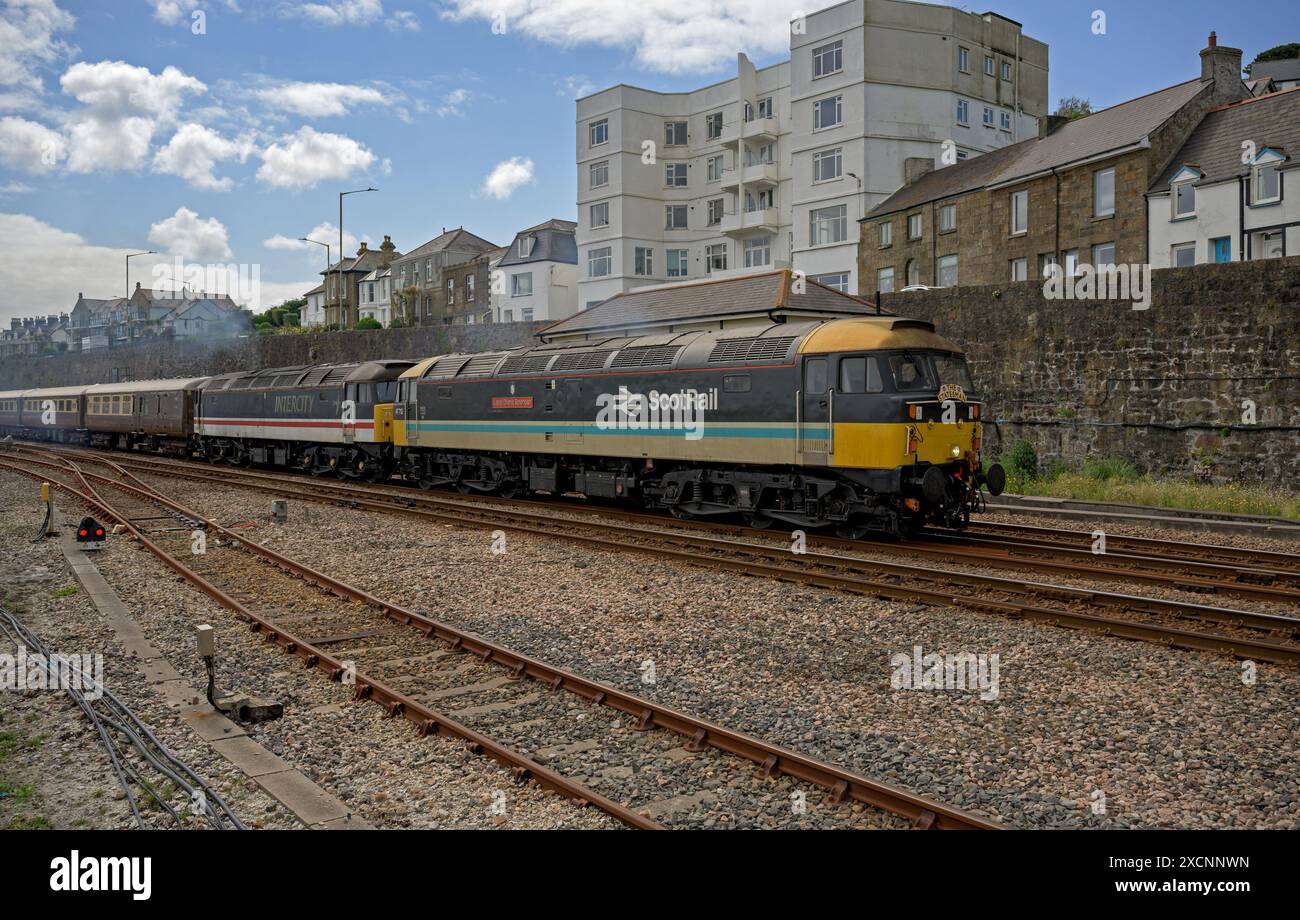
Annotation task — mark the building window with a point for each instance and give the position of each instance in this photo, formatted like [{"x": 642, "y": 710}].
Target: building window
[
  {"x": 469, "y": 287},
  {"x": 1103, "y": 192},
  {"x": 885, "y": 280},
  {"x": 600, "y": 214},
  {"x": 644, "y": 259},
  {"x": 828, "y": 225},
  {"x": 913, "y": 273},
  {"x": 521, "y": 285},
  {"x": 428, "y": 271},
  {"x": 988, "y": 117},
  {"x": 675, "y": 175},
  {"x": 827, "y": 165},
  {"x": 766, "y": 199},
  {"x": 837, "y": 280},
  {"x": 988, "y": 64},
  {"x": 1020, "y": 212},
  {"x": 526, "y": 315},
  {"x": 1268, "y": 245},
  {"x": 1046, "y": 265},
  {"x": 826, "y": 113},
  {"x": 765, "y": 109},
  {"x": 947, "y": 271},
  {"x": 715, "y": 211},
  {"x": 1019, "y": 269},
  {"x": 714, "y": 166},
  {"x": 451, "y": 291},
  {"x": 675, "y": 134},
  {"x": 1071, "y": 263},
  {"x": 1006, "y": 121},
  {"x": 525, "y": 247},
  {"x": 675, "y": 217},
  {"x": 914, "y": 226},
  {"x": 886, "y": 234},
  {"x": 600, "y": 262},
  {"x": 1184, "y": 200},
  {"x": 1267, "y": 184},
  {"x": 713, "y": 126},
  {"x": 677, "y": 262},
  {"x": 828, "y": 59},
  {"x": 963, "y": 59},
  {"x": 766, "y": 153},
  {"x": 599, "y": 174},
  {"x": 947, "y": 218},
  {"x": 598, "y": 132},
  {"x": 1103, "y": 255},
  {"x": 1183, "y": 255},
  {"x": 1006, "y": 70},
  {"x": 758, "y": 251},
  {"x": 715, "y": 258},
  {"x": 963, "y": 112}
]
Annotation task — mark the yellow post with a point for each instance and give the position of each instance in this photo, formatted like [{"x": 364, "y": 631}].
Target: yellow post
[{"x": 45, "y": 492}]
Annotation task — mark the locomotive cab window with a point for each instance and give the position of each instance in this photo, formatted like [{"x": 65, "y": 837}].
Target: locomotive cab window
[
  {"x": 814, "y": 376},
  {"x": 860, "y": 375},
  {"x": 911, "y": 373},
  {"x": 953, "y": 369}
]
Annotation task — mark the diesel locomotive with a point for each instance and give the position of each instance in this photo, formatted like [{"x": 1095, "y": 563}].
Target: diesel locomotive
[{"x": 862, "y": 424}]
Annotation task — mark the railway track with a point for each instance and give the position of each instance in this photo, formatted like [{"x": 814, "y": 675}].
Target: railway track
[
  {"x": 1253, "y": 635},
  {"x": 407, "y": 662}
]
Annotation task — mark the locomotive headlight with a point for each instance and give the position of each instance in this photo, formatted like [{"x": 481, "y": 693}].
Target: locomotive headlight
[{"x": 955, "y": 451}]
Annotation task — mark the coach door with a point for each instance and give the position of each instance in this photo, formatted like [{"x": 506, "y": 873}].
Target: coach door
[
  {"x": 815, "y": 412},
  {"x": 408, "y": 408},
  {"x": 350, "y": 410}
]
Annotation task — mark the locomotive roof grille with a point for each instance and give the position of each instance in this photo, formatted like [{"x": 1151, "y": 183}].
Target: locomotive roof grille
[
  {"x": 646, "y": 356},
  {"x": 751, "y": 349},
  {"x": 481, "y": 366},
  {"x": 582, "y": 360},
  {"x": 525, "y": 364}
]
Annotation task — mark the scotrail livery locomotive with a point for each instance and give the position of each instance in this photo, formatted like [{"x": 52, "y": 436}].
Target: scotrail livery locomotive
[{"x": 862, "y": 424}]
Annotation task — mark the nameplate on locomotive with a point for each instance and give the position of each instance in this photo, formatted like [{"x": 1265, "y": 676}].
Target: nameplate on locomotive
[
  {"x": 951, "y": 391},
  {"x": 512, "y": 402}
]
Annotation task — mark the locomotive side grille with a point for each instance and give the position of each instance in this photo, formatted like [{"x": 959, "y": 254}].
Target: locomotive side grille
[
  {"x": 582, "y": 361},
  {"x": 525, "y": 364},
  {"x": 646, "y": 355},
  {"x": 753, "y": 349},
  {"x": 480, "y": 366},
  {"x": 336, "y": 375},
  {"x": 446, "y": 367}
]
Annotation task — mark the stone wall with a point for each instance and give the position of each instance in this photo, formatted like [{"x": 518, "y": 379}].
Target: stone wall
[
  {"x": 183, "y": 359},
  {"x": 1164, "y": 387}
]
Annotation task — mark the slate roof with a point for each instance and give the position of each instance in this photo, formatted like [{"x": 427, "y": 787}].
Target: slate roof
[
  {"x": 1083, "y": 138},
  {"x": 1284, "y": 69},
  {"x": 555, "y": 241},
  {"x": 1214, "y": 148},
  {"x": 745, "y": 295},
  {"x": 460, "y": 238},
  {"x": 364, "y": 262}
]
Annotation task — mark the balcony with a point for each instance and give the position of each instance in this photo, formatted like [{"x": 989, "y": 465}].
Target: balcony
[
  {"x": 761, "y": 129},
  {"x": 760, "y": 174},
  {"x": 764, "y": 220}
]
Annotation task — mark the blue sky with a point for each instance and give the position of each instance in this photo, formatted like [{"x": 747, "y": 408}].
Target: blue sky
[{"x": 122, "y": 129}]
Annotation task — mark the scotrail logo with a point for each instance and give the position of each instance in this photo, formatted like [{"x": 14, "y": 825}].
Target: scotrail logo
[
  {"x": 655, "y": 411},
  {"x": 103, "y": 873},
  {"x": 26, "y": 671}
]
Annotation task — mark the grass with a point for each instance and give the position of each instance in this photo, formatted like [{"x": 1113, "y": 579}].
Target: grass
[
  {"x": 1107, "y": 479},
  {"x": 67, "y": 592}
]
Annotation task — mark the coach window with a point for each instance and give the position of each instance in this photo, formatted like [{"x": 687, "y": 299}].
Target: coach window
[{"x": 860, "y": 375}]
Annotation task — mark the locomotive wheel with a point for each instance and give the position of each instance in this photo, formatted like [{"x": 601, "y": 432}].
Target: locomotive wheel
[{"x": 757, "y": 520}]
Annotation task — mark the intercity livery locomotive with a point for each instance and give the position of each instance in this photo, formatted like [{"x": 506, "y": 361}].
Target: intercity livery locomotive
[{"x": 862, "y": 424}]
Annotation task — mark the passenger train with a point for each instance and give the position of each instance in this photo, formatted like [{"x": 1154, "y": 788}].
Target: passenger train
[{"x": 863, "y": 424}]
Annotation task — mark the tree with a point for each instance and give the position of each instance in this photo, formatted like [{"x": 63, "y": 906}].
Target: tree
[
  {"x": 1278, "y": 53},
  {"x": 1073, "y": 107}
]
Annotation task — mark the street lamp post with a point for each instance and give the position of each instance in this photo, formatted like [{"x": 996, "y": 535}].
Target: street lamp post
[
  {"x": 303, "y": 239},
  {"x": 341, "y": 196},
  {"x": 128, "y": 268}
]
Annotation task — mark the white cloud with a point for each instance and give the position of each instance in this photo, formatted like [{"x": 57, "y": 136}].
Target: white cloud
[
  {"x": 403, "y": 20},
  {"x": 123, "y": 106},
  {"x": 575, "y": 86},
  {"x": 94, "y": 270},
  {"x": 344, "y": 12},
  {"x": 28, "y": 30},
  {"x": 16, "y": 188},
  {"x": 318, "y": 100},
  {"x": 171, "y": 12},
  {"x": 453, "y": 103},
  {"x": 309, "y": 157},
  {"x": 681, "y": 38},
  {"x": 194, "y": 152},
  {"x": 323, "y": 233},
  {"x": 192, "y": 238},
  {"x": 508, "y": 176},
  {"x": 30, "y": 146}
]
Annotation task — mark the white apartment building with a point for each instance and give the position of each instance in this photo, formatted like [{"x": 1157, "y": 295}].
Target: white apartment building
[
  {"x": 1210, "y": 206},
  {"x": 774, "y": 167}
]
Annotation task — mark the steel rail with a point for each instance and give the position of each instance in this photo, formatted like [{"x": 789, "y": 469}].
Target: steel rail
[
  {"x": 1250, "y": 648},
  {"x": 774, "y": 759}
]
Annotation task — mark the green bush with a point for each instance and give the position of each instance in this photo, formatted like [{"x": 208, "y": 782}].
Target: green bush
[
  {"x": 369, "y": 322},
  {"x": 1108, "y": 468},
  {"x": 1022, "y": 461}
]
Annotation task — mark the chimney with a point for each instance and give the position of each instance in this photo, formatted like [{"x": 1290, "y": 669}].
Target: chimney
[
  {"x": 916, "y": 167},
  {"x": 387, "y": 250},
  {"x": 1049, "y": 123},
  {"x": 1221, "y": 66},
  {"x": 362, "y": 251},
  {"x": 137, "y": 285}
]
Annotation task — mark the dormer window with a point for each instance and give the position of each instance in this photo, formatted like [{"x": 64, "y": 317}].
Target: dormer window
[
  {"x": 525, "y": 246},
  {"x": 1182, "y": 192},
  {"x": 1265, "y": 180}
]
